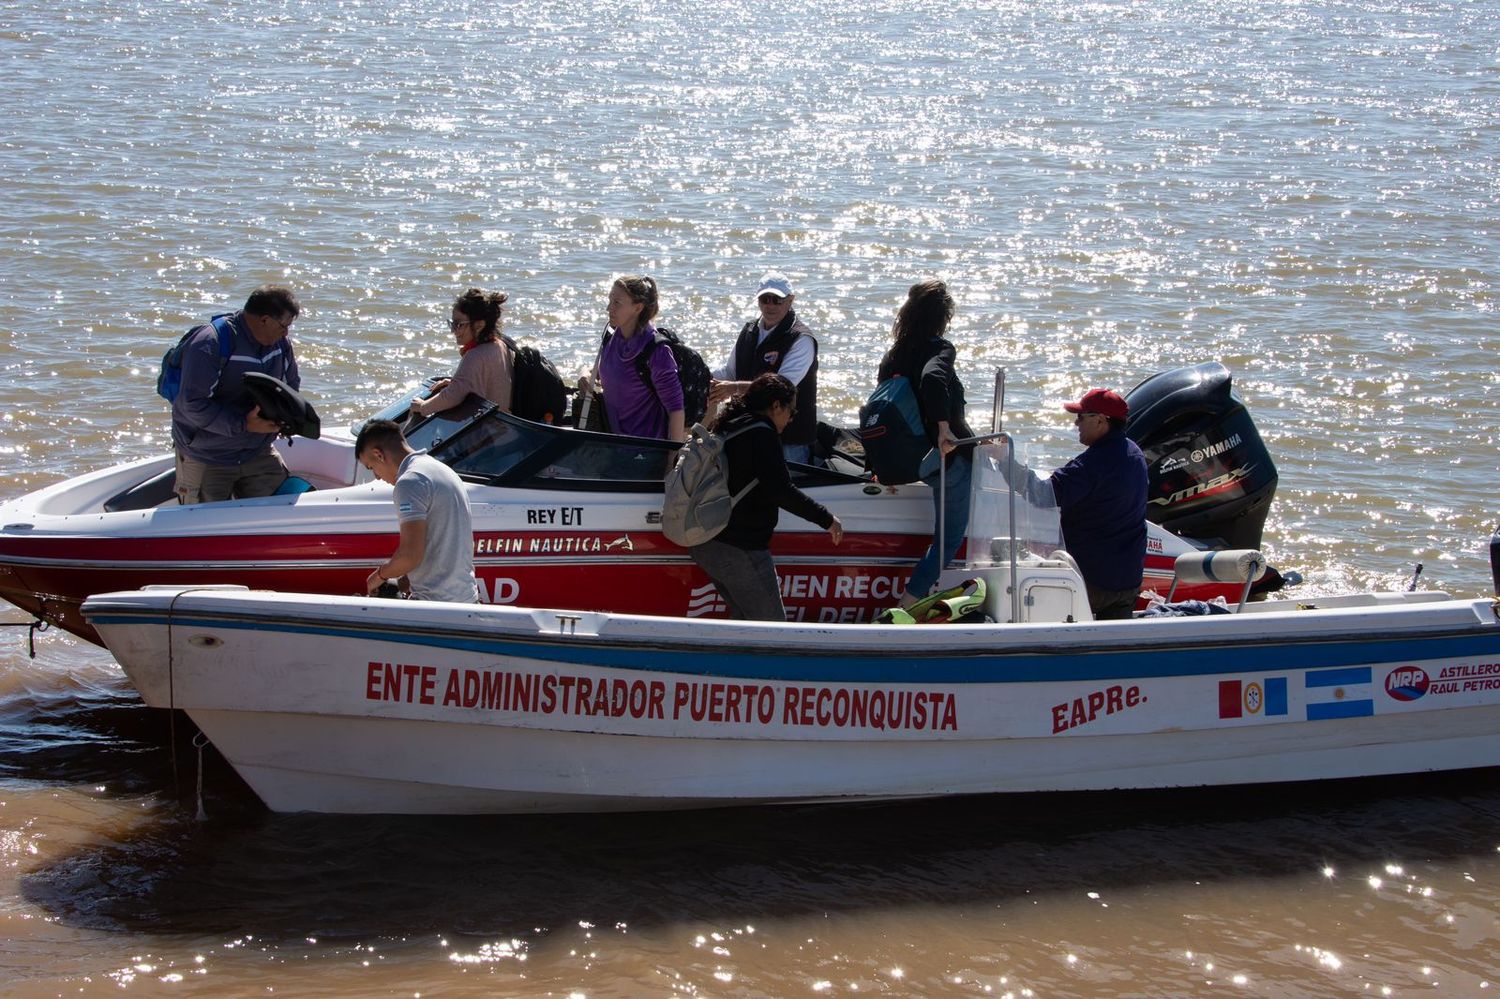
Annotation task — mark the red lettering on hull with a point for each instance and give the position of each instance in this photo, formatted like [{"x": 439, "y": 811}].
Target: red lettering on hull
[
  {"x": 715, "y": 702},
  {"x": 1096, "y": 704}
]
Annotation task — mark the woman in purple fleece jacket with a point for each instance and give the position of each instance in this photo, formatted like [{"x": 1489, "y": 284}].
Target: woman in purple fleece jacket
[{"x": 630, "y": 404}]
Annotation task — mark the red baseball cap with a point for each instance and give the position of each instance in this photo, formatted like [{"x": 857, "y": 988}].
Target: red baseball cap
[{"x": 1101, "y": 401}]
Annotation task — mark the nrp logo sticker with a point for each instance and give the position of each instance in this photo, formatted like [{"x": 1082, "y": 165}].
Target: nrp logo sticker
[{"x": 1407, "y": 683}]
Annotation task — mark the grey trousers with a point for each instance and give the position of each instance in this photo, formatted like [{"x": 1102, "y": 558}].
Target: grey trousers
[
  {"x": 200, "y": 483},
  {"x": 745, "y": 579},
  {"x": 1112, "y": 605}
]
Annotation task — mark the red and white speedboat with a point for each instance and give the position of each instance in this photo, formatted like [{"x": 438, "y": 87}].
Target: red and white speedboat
[{"x": 566, "y": 518}]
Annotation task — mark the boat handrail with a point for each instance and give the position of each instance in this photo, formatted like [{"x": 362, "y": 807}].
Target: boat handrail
[
  {"x": 1231, "y": 565},
  {"x": 1010, "y": 462}
]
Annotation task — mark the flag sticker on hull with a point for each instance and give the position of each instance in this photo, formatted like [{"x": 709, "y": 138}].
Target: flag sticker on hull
[
  {"x": 1339, "y": 693},
  {"x": 1252, "y": 697}
]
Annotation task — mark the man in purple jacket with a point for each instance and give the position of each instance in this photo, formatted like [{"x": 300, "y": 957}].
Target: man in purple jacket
[
  {"x": 223, "y": 443},
  {"x": 1101, "y": 496}
]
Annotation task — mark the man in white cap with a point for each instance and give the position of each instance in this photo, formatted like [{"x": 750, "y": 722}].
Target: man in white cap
[{"x": 778, "y": 341}]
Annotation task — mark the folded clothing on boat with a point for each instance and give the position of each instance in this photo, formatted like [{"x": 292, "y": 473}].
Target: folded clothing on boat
[{"x": 1186, "y": 608}]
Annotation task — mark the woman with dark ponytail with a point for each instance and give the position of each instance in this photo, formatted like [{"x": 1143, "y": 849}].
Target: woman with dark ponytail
[
  {"x": 738, "y": 561},
  {"x": 485, "y": 362},
  {"x": 926, "y": 358}
]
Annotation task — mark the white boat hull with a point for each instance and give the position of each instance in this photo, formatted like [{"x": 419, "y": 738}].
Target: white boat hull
[
  {"x": 592, "y": 772},
  {"x": 350, "y": 705}
]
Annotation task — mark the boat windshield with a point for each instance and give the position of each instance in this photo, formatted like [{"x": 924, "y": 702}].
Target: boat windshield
[
  {"x": 1036, "y": 529},
  {"x": 400, "y": 409},
  {"x": 427, "y": 432},
  {"x": 485, "y": 445},
  {"x": 498, "y": 449},
  {"x": 503, "y": 450}
]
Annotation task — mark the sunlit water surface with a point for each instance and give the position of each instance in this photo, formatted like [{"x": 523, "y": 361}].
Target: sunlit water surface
[{"x": 1306, "y": 192}]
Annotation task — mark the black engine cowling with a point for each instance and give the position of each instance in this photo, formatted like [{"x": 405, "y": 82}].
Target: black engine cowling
[
  {"x": 1495, "y": 558},
  {"x": 1210, "y": 475}
]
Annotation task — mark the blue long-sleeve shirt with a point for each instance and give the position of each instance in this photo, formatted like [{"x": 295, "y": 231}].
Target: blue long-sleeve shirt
[
  {"x": 208, "y": 415},
  {"x": 1101, "y": 497}
]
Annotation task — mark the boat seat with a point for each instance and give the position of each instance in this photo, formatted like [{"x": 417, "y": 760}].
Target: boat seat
[
  {"x": 1230, "y": 565},
  {"x": 152, "y": 492},
  {"x": 162, "y": 486}
]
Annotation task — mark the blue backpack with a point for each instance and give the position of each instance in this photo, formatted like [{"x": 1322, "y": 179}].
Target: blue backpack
[
  {"x": 891, "y": 428},
  {"x": 169, "y": 379}
]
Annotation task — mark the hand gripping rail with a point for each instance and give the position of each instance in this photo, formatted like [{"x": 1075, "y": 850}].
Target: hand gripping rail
[{"x": 1231, "y": 565}]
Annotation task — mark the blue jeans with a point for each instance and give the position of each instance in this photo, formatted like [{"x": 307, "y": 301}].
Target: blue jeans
[{"x": 955, "y": 507}]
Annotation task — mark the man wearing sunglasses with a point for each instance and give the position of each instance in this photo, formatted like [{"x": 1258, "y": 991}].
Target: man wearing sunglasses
[
  {"x": 1101, "y": 496},
  {"x": 776, "y": 341},
  {"x": 222, "y": 441}
]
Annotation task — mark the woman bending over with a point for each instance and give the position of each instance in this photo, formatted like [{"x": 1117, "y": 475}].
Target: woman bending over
[{"x": 738, "y": 561}]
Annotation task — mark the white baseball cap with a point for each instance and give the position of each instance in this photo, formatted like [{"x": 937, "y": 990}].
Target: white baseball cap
[{"x": 775, "y": 283}]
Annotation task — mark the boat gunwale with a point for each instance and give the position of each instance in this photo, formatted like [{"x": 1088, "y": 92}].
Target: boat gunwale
[{"x": 1044, "y": 658}]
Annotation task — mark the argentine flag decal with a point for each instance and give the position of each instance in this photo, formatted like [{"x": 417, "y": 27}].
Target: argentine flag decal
[{"x": 1339, "y": 693}]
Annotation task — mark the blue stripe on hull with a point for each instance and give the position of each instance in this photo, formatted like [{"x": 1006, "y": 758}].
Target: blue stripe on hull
[
  {"x": 1340, "y": 709},
  {"x": 890, "y": 666},
  {"x": 1338, "y": 677}
]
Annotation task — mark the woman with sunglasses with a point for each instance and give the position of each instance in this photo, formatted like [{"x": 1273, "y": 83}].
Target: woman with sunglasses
[
  {"x": 738, "y": 561},
  {"x": 484, "y": 363}
]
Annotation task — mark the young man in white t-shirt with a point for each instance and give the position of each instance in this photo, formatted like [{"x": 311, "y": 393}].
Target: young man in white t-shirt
[{"x": 436, "y": 550}]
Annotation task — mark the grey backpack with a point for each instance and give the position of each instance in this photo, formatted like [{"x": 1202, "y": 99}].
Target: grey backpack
[{"x": 696, "y": 503}]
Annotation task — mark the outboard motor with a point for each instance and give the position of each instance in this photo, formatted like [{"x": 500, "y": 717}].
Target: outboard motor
[
  {"x": 1210, "y": 476},
  {"x": 1495, "y": 558}
]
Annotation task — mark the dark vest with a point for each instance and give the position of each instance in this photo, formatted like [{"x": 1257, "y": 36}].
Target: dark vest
[{"x": 751, "y": 360}]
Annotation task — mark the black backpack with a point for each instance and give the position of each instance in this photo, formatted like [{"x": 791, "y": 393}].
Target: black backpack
[
  {"x": 538, "y": 392},
  {"x": 692, "y": 372}
]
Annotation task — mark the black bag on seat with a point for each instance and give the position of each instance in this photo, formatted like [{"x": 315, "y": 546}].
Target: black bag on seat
[{"x": 538, "y": 392}]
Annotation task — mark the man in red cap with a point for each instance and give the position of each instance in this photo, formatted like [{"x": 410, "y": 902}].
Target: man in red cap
[{"x": 1101, "y": 495}]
